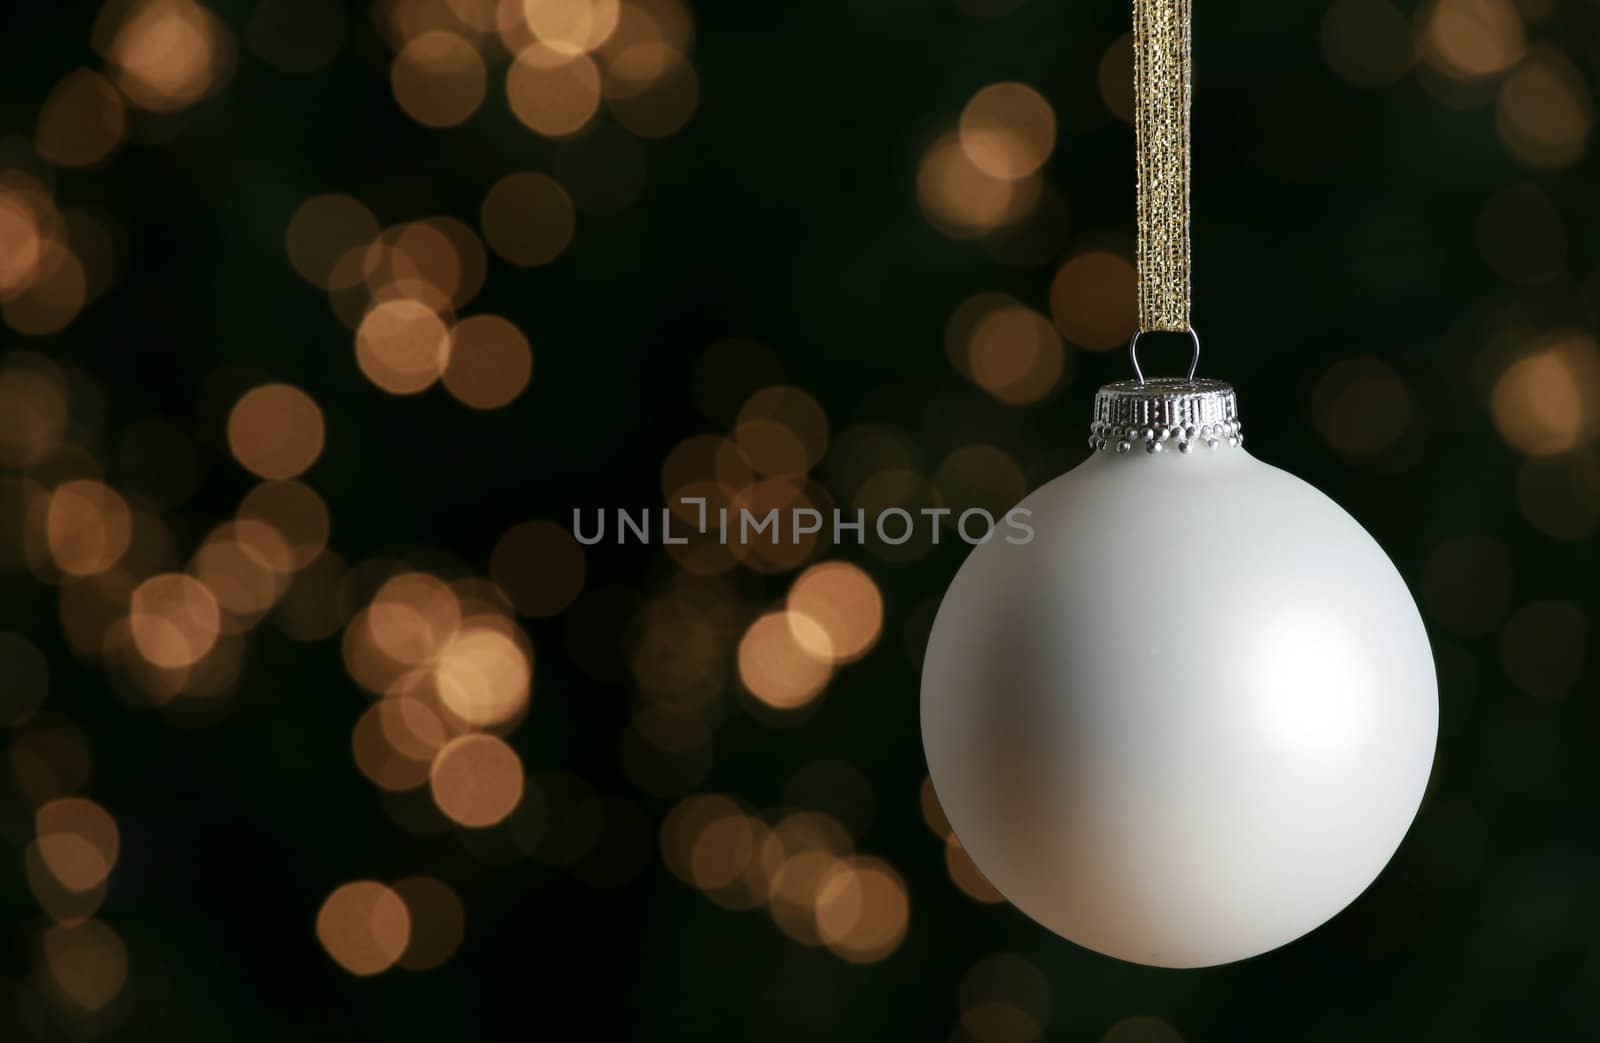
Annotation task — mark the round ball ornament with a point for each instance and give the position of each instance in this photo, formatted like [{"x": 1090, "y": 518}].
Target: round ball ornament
[{"x": 1193, "y": 718}]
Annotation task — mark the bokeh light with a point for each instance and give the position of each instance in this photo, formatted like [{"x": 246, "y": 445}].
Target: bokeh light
[
  {"x": 412, "y": 616},
  {"x": 1093, "y": 300},
  {"x": 77, "y": 841},
  {"x": 23, "y": 221},
  {"x": 323, "y": 231},
  {"x": 1361, "y": 406},
  {"x": 709, "y": 842},
  {"x": 89, "y": 527},
  {"x": 437, "y": 921},
  {"x": 540, "y": 566},
  {"x": 1548, "y": 400},
  {"x": 1004, "y": 999},
  {"x": 979, "y": 477},
  {"x": 794, "y": 410},
  {"x": 723, "y": 856},
  {"x": 1545, "y": 112},
  {"x": 44, "y": 285},
  {"x": 678, "y": 654},
  {"x": 490, "y": 362},
  {"x": 1115, "y": 78},
  {"x": 295, "y": 514},
  {"x": 402, "y": 346},
  {"x": 634, "y": 67},
  {"x": 655, "y": 92},
  {"x": 276, "y": 431},
  {"x": 460, "y": 261},
  {"x": 82, "y": 121},
  {"x": 862, "y": 909},
  {"x": 1014, "y": 354},
  {"x": 319, "y": 601},
  {"x": 553, "y": 92},
  {"x": 1367, "y": 42},
  {"x": 1560, "y": 495},
  {"x": 364, "y": 926},
  {"x": 483, "y": 677},
  {"x": 439, "y": 79},
  {"x": 296, "y": 37},
  {"x": 202, "y": 575},
  {"x": 963, "y": 200},
  {"x": 528, "y": 219},
  {"x": 167, "y": 54},
  {"x": 799, "y": 866},
  {"x": 175, "y": 620},
  {"x": 835, "y": 612},
  {"x": 477, "y": 780},
  {"x": 778, "y": 667},
  {"x": 572, "y": 26},
  {"x": 385, "y": 737},
  {"x": 87, "y": 962},
  {"x": 1008, "y": 130},
  {"x": 244, "y": 564},
  {"x": 1470, "y": 39}
]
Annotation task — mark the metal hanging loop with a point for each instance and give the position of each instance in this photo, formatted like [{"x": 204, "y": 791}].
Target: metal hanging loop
[{"x": 1194, "y": 353}]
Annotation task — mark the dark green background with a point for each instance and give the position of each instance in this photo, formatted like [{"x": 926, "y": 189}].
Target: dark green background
[{"x": 1330, "y": 221}]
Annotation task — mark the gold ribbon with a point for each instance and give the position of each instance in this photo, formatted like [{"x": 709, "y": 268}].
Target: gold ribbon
[{"x": 1161, "y": 82}]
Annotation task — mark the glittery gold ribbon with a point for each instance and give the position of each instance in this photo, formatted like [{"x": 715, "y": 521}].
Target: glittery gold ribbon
[{"x": 1161, "y": 80}]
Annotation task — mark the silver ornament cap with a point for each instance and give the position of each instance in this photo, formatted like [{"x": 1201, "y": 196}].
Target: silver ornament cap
[{"x": 1164, "y": 413}]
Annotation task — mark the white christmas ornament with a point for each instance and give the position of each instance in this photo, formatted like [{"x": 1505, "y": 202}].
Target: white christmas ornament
[{"x": 1194, "y": 717}]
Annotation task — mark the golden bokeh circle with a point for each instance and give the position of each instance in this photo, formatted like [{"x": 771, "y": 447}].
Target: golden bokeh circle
[
  {"x": 540, "y": 566},
  {"x": 364, "y": 926},
  {"x": 490, "y": 362},
  {"x": 82, "y": 121},
  {"x": 78, "y": 841},
  {"x": 438, "y": 922},
  {"x": 483, "y": 677},
  {"x": 1008, "y": 130},
  {"x": 88, "y": 527},
  {"x": 1093, "y": 300},
  {"x": 323, "y": 231},
  {"x": 572, "y": 26},
  {"x": 276, "y": 431},
  {"x": 1362, "y": 406},
  {"x": 477, "y": 780},
  {"x": 528, "y": 219},
  {"x": 1470, "y": 40},
  {"x": 439, "y": 79},
  {"x": 174, "y": 619},
  {"x": 553, "y": 93},
  {"x": 296, "y": 512},
  {"x": 835, "y": 611},
  {"x": 961, "y": 199},
  {"x": 87, "y": 960},
  {"x": 782, "y": 670},
  {"x": 1016, "y": 355},
  {"x": 402, "y": 346},
  {"x": 169, "y": 54},
  {"x": 1547, "y": 400},
  {"x": 862, "y": 909}
]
